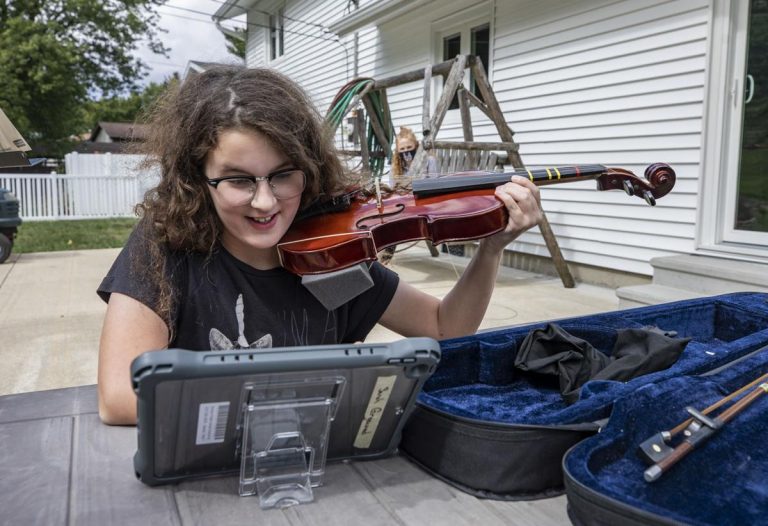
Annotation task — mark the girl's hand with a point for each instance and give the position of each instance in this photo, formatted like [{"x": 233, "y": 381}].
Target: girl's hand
[{"x": 523, "y": 202}]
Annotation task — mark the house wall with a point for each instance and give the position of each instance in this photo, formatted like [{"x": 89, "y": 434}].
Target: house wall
[
  {"x": 619, "y": 83},
  {"x": 317, "y": 59}
]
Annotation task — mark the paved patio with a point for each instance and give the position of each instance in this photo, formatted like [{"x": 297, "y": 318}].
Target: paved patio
[{"x": 51, "y": 317}]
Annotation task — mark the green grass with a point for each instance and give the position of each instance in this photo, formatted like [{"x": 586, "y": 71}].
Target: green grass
[{"x": 51, "y": 236}]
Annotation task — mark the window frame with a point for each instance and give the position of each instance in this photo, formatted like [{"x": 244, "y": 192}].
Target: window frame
[
  {"x": 276, "y": 34},
  {"x": 720, "y": 152},
  {"x": 462, "y": 23}
]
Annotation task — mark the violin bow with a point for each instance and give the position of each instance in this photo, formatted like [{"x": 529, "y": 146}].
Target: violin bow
[{"x": 697, "y": 429}]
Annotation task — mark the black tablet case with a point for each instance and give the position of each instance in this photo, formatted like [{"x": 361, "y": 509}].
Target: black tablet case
[
  {"x": 490, "y": 431},
  {"x": 171, "y": 384}
]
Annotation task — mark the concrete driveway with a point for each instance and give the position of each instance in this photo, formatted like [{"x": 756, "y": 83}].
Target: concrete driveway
[
  {"x": 50, "y": 315},
  {"x": 50, "y": 318}
]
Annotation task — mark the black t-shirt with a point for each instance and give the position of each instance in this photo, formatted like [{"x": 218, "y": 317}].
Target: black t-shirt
[{"x": 224, "y": 303}]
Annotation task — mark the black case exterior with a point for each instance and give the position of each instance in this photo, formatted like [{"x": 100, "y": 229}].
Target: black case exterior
[
  {"x": 471, "y": 455},
  {"x": 587, "y": 507}
]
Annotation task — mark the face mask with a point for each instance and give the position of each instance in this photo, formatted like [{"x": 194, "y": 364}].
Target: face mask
[{"x": 407, "y": 156}]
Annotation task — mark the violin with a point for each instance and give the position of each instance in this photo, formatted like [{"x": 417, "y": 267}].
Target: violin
[{"x": 456, "y": 207}]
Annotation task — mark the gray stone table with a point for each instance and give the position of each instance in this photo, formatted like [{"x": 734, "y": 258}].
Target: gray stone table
[{"x": 60, "y": 465}]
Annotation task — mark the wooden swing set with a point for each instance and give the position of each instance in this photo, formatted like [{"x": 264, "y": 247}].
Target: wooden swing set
[{"x": 451, "y": 156}]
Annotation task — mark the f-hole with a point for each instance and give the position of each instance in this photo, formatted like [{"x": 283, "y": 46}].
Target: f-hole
[{"x": 361, "y": 222}]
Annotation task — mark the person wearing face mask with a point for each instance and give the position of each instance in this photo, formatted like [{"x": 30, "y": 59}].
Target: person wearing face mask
[{"x": 406, "y": 145}]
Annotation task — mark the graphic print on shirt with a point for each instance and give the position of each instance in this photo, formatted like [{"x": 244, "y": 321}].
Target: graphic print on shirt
[
  {"x": 220, "y": 342},
  {"x": 299, "y": 326},
  {"x": 299, "y": 331},
  {"x": 330, "y": 334}
]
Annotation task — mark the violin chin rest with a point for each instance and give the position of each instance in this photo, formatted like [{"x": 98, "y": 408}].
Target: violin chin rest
[{"x": 334, "y": 289}]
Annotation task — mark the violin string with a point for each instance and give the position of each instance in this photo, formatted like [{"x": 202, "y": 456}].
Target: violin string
[
  {"x": 453, "y": 264},
  {"x": 408, "y": 181},
  {"x": 406, "y": 247}
]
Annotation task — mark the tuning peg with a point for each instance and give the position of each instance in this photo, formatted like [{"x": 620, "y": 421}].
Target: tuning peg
[
  {"x": 648, "y": 196},
  {"x": 628, "y": 187}
]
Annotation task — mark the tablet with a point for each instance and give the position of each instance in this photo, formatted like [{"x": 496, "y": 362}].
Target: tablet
[{"x": 191, "y": 403}]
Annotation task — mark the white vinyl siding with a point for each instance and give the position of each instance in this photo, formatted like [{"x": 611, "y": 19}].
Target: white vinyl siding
[
  {"x": 256, "y": 44},
  {"x": 411, "y": 42},
  {"x": 313, "y": 58},
  {"x": 614, "y": 83},
  {"x": 619, "y": 83}
]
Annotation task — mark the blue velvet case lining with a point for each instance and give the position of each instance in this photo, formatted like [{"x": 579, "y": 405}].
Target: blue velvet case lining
[
  {"x": 724, "y": 481},
  {"x": 476, "y": 377}
]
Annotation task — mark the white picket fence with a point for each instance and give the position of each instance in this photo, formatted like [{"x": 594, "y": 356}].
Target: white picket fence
[
  {"x": 102, "y": 164},
  {"x": 65, "y": 196},
  {"x": 96, "y": 186}
]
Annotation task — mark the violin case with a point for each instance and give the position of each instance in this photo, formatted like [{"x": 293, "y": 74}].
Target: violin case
[
  {"x": 496, "y": 432},
  {"x": 722, "y": 481}
]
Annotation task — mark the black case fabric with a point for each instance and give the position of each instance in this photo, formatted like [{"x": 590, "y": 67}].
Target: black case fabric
[
  {"x": 491, "y": 461},
  {"x": 495, "y": 433}
]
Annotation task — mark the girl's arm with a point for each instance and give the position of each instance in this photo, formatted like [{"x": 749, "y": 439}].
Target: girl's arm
[
  {"x": 130, "y": 329},
  {"x": 415, "y": 313}
]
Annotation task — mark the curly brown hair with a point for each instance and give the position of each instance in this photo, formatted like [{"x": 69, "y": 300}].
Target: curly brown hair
[{"x": 185, "y": 125}]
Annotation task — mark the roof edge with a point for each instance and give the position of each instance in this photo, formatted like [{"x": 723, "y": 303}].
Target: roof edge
[
  {"x": 375, "y": 13},
  {"x": 232, "y": 8}
]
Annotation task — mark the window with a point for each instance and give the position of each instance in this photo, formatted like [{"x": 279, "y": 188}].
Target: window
[
  {"x": 451, "y": 48},
  {"x": 472, "y": 39},
  {"x": 480, "y": 46},
  {"x": 276, "y": 34}
]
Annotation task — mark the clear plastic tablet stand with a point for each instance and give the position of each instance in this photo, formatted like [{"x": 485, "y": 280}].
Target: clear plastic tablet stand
[{"x": 286, "y": 424}]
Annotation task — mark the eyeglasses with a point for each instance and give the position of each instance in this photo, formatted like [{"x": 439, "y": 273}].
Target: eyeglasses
[{"x": 240, "y": 189}]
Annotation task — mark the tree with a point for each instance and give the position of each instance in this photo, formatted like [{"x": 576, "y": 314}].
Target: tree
[
  {"x": 55, "y": 54},
  {"x": 129, "y": 108},
  {"x": 236, "y": 41}
]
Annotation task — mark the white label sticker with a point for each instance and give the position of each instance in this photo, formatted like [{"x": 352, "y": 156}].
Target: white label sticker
[
  {"x": 212, "y": 423},
  {"x": 379, "y": 398}
]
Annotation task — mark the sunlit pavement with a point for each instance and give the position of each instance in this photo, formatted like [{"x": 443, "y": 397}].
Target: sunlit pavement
[{"x": 50, "y": 315}]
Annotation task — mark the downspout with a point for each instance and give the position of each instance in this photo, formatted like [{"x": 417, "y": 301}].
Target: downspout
[
  {"x": 356, "y": 44},
  {"x": 356, "y": 58}
]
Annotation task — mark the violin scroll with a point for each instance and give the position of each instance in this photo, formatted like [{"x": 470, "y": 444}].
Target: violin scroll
[{"x": 659, "y": 181}]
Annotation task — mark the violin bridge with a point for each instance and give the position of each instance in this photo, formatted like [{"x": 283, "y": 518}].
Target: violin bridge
[{"x": 379, "y": 203}]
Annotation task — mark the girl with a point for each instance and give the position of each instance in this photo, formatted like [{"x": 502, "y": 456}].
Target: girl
[
  {"x": 405, "y": 150},
  {"x": 241, "y": 151}
]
